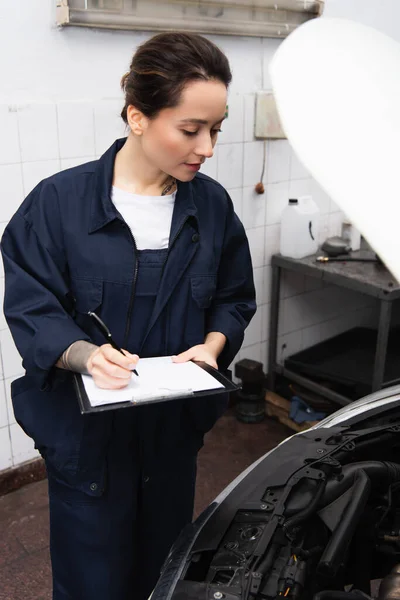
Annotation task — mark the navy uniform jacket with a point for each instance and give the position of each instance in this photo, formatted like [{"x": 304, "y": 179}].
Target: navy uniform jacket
[{"x": 68, "y": 251}]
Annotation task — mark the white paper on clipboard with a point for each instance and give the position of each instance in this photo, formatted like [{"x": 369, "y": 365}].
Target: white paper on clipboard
[{"x": 159, "y": 377}]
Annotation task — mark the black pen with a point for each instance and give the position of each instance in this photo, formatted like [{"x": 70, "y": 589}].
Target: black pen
[{"x": 102, "y": 327}]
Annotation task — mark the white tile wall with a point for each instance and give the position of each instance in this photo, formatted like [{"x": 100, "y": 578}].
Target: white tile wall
[
  {"x": 324, "y": 231},
  {"x": 253, "y": 209},
  {"x": 10, "y": 410},
  {"x": 335, "y": 223},
  {"x": 108, "y": 124},
  {"x": 272, "y": 233},
  {"x": 269, "y": 47},
  {"x": 3, "y": 405},
  {"x": 210, "y": 166},
  {"x": 249, "y": 117},
  {"x": 321, "y": 198},
  {"x": 38, "y": 132},
  {"x": 9, "y": 142},
  {"x": 277, "y": 199},
  {"x": 309, "y": 312},
  {"x": 262, "y": 276},
  {"x": 41, "y": 139},
  {"x": 21, "y": 445},
  {"x": 11, "y": 359},
  {"x": 297, "y": 169},
  {"x": 35, "y": 171},
  {"x": 232, "y": 127},
  {"x": 279, "y": 156},
  {"x": 2, "y": 227},
  {"x": 253, "y": 162},
  {"x": 253, "y": 334},
  {"x": 230, "y": 165},
  {"x": 237, "y": 199},
  {"x": 246, "y": 60},
  {"x": 300, "y": 187},
  {"x": 12, "y": 190},
  {"x": 256, "y": 242},
  {"x": 75, "y": 129},
  {"x": 3, "y": 324},
  {"x": 253, "y": 352},
  {"x": 265, "y": 312},
  {"x": 5, "y": 449},
  {"x": 69, "y": 163}
]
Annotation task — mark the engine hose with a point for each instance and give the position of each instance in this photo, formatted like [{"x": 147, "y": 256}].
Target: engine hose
[
  {"x": 266, "y": 564},
  {"x": 307, "y": 511},
  {"x": 385, "y": 438},
  {"x": 342, "y": 535},
  {"x": 376, "y": 470}
]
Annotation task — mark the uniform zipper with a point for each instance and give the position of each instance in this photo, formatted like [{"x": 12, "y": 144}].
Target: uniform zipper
[{"x": 133, "y": 289}]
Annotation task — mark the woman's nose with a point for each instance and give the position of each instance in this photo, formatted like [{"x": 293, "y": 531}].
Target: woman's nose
[{"x": 205, "y": 148}]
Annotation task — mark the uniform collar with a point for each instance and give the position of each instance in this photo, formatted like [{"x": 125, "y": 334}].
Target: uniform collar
[{"x": 103, "y": 210}]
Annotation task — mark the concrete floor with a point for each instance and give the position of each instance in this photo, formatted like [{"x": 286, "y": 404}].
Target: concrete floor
[{"x": 25, "y": 572}]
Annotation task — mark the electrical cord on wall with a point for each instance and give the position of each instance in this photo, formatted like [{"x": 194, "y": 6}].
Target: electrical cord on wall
[{"x": 259, "y": 188}]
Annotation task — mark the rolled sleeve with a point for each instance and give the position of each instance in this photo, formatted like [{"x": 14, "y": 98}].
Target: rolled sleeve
[{"x": 37, "y": 303}]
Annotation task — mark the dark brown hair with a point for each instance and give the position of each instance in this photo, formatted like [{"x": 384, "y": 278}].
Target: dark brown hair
[{"x": 162, "y": 66}]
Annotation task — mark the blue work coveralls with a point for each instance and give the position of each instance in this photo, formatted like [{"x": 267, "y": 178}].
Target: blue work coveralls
[{"x": 121, "y": 483}]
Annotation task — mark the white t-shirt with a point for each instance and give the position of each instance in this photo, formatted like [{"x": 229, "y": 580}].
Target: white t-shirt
[{"x": 149, "y": 217}]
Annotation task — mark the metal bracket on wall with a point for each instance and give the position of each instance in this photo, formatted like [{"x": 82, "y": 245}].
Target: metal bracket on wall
[
  {"x": 259, "y": 18},
  {"x": 62, "y": 12}
]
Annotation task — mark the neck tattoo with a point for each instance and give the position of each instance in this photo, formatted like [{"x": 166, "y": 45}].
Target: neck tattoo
[{"x": 169, "y": 186}]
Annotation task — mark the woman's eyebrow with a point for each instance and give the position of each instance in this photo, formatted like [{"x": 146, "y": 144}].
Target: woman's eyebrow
[{"x": 199, "y": 121}]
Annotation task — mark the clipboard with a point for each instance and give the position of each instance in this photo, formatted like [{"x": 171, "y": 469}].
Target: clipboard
[{"x": 164, "y": 395}]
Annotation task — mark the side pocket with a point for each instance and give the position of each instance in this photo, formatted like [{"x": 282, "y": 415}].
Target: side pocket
[
  {"x": 20, "y": 389},
  {"x": 202, "y": 293},
  {"x": 51, "y": 418}
]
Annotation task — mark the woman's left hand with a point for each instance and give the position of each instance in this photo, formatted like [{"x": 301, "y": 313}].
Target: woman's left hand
[
  {"x": 201, "y": 352},
  {"x": 207, "y": 352}
]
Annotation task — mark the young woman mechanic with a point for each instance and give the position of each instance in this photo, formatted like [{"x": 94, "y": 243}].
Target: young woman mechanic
[{"x": 156, "y": 250}]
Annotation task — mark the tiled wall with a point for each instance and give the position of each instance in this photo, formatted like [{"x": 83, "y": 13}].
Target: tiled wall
[
  {"x": 309, "y": 311},
  {"x": 41, "y": 139}
]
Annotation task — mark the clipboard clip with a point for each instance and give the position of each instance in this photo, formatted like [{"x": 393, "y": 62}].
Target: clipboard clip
[{"x": 164, "y": 394}]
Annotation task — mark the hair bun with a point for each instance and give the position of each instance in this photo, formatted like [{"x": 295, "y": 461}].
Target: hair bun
[
  {"x": 164, "y": 64},
  {"x": 124, "y": 79}
]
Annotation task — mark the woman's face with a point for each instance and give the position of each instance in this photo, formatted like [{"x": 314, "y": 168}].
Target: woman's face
[{"x": 180, "y": 139}]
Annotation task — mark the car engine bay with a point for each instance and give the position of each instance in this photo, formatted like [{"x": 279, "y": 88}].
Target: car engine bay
[{"x": 318, "y": 518}]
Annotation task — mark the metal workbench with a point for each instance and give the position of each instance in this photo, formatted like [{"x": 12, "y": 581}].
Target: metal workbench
[{"x": 368, "y": 278}]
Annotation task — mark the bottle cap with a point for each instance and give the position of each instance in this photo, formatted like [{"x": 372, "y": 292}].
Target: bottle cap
[{"x": 293, "y": 201}]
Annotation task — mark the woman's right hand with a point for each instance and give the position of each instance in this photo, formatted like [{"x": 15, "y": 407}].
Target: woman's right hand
[{"x": 109, "y": 368}]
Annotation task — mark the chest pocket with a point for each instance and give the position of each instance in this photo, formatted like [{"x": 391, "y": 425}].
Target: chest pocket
[
  {"x": 201, "y": 295},
  {"x": 88, "y": 294},
  {"x": 203, "y": 290}
]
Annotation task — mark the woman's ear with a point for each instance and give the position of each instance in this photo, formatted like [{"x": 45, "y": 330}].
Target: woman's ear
[{"x": 136, "y": 120}]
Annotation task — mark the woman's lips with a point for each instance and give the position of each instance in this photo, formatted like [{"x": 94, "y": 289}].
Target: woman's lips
[{"x": 193, "y": 166}]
